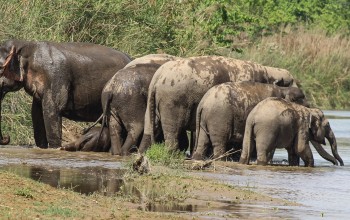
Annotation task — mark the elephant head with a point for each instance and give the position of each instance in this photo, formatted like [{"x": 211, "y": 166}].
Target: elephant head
[
  {"x": 320, "y": 129},
  {"x": 10, "y": 77},
  {"x": 281, "y": 77},
  {"x": 295, "y": 94}
]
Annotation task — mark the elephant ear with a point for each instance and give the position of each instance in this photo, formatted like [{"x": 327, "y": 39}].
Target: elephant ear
[
  {"x": 279, "y": 82},
  {"x": 315, "y": 126},
  {"x": 11, "y": 66}
]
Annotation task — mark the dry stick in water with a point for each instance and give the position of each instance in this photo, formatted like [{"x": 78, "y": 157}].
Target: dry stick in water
[{"x": 200, "y": 165}]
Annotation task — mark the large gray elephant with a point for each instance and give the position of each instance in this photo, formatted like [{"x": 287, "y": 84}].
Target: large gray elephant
[
  {"x": 223, "y": 110},
  {"x": 277, "y": 123},
  {"x": 124, "y": 101},
  {"x": 178, "y": 86},
  {"x": 64, "y": 79},
  {"x": 94, "y": 139}
]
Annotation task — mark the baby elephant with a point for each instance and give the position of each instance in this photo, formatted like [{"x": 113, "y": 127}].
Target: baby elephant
[
  {"x": 222, "y": 113},
  {"x": 91, "y": 141},
  {"x": 277, "y": 123}
]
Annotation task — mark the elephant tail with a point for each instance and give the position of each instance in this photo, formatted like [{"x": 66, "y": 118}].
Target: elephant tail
[
  {"x": 103, "y": 117},
  {"x": 198, "y": 126},
  {"x": 86, "y": 130},
  {"x": 152, "y": 114},
  {"x": 106, "y": 108},
  {"x": 248, "y": 142}
]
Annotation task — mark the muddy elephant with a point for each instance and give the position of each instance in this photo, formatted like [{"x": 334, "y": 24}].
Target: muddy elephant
[
  {"x": 95, "y": 139},
  {"x": 277, "y": 123},
  {"x": 223, "y": 110},
  {"x": 178, "y": 86},
  {"x": 124, "y": 101},
  {"x": 64, "y": 79}
]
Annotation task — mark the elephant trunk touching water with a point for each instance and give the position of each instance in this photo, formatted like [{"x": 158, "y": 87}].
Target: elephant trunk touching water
[
  {"x": 276, "y": 123},
  {"x": 332, "y": 141}
]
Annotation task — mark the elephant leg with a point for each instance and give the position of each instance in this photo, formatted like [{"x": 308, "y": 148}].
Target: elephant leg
[
  {"x": 265, "y": 142},
  {"x": 293, "y": 157},
  {"x": 132, "y": 139},
  {"x": 306, "y": 156},
  {"x": 202, "y": 146},
  {"x": 219, "y": 144},
  {"x": 303, "y": 149},
  {"x": 270, "y": 155},
  {"x": 52, "y": 121},
  {"x": 171, "y": 140},
  {"x": 173, "y": 120},
  {"x": 145, "y": 143},
  {"x": 90, "y": 145},
  {"x": 220, "y": 135},
  {"x": 38, "y": 124},
  {"x": 115, "y": 131}
]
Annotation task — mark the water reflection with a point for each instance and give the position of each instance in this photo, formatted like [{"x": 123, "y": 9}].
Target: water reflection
[
  {"x": 323, "y": 190},
  {"x": 83, "y": 180}
]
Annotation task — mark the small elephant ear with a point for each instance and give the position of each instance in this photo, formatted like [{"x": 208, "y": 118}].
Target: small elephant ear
[
  {"x": 310, "y": 120},
  {"x": 10, "y": 65},
  {"x": 279, "y": 82},
  {"x": 313, "y": 118}
]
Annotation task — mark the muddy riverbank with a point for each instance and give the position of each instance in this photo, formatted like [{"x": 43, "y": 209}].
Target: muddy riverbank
[{"x": 56, "y": 177}]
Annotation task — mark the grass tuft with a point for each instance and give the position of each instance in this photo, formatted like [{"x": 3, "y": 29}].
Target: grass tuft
[
  {"x": 159, "y": 154},
  {"x": 58, "y": 211},
  {"x": 25, "y": 192}
]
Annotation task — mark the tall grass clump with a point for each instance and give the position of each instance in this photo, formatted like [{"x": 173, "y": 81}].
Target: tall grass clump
[
  {"x": 320, "y": 63},
  {"x": 16, "y": 118},
  {"x": 314, "y": 48},
  {"x": 159, "y": 154}
]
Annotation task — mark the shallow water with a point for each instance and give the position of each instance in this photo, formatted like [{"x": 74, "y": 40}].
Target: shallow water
[{"x": 321, "y": 191}]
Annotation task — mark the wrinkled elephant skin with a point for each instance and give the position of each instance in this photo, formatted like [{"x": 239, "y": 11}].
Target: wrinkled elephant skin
[
  {"x": 277, "y": 123},
  {"x": 178, "y": 86},
  {"x": 64, "y": 79},
  {"x": 223, "y": 110},
  {"x": 124, "y": 101},
  {"x": 95, "y": 139}
]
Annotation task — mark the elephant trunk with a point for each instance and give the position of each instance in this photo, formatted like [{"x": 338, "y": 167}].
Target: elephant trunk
[
  {"x": 324, "y": 154},
  {"x": 332, "y": 141},
  {"x": 4, "y": 140}
]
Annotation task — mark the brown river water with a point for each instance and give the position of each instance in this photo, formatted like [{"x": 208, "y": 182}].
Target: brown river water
[{"x": 323, "y": 191}]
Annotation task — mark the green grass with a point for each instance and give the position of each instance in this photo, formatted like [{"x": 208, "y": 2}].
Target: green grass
[
  {"x": 159, "y": 154},
  {"x": 25, "y": 192},
  {"x": 309, "y": 38},
  {"x": 58, "y": 211}
]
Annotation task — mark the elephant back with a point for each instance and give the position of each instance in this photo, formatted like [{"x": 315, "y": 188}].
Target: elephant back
[{"x": 152, "y": 58}]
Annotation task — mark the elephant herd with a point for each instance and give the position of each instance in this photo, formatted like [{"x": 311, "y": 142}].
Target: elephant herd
[{"x": 225, "y": 103}]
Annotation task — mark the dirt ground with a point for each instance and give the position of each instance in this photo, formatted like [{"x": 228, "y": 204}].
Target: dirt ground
[{"x": 22, "y": 198}]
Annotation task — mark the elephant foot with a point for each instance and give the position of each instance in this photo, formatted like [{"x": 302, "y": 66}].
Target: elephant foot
[{"x": 262, "y": 163}]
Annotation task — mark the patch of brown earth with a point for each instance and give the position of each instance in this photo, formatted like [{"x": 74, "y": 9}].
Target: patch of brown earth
[{"x": 175, "y": 194}]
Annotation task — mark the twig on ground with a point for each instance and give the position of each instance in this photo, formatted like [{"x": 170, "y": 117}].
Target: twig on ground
[{"x": 200, "y": 165}]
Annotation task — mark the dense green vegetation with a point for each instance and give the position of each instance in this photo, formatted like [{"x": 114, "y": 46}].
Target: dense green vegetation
[{"x": 307, "y": 37}]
